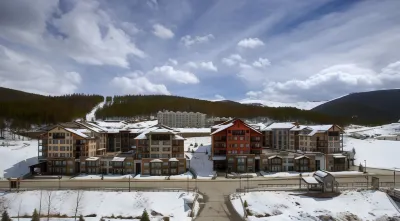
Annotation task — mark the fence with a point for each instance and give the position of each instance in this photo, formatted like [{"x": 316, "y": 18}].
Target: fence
[
  {"x": 136, "y": 189},
  {"x": 294, "y": 187}
]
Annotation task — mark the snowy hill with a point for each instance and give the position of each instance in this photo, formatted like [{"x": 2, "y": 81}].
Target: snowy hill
[
  {"x": 304, "y": 105},
  {"x": 91, "y": 115}
]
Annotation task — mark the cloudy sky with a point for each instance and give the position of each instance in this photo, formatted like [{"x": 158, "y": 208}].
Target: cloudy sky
[{"x": 278, "y": 50}]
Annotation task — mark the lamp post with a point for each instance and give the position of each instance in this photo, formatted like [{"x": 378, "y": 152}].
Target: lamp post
[
  {"x": 59, "y": 182},
  {"x": 365, "y": 167},
  {"x": 394, "y": 177},
  {"x": 129, "y": 180}
]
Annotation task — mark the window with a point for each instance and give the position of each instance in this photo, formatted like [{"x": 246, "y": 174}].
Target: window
[
  {"x": 145, "y": 164},
  {"x": 165, "y": 163},
  {"x": 241, "y": 145},
  {"x": 247, "y": 145},
  {"x": 62, "y": 141},
  {"x": 55, "y": 141},
  {"x": 62, "y": 154},
  {"x": 55, "y": 148},
  {"x": 62, "y": 148}
]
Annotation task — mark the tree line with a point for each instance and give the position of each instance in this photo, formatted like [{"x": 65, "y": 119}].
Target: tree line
[
  {"x": 22, "y": 110},
  {"x": 141, "y": 105}
]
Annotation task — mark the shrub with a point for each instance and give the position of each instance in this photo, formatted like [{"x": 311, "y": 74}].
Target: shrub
[
  {"x": 195, "y": 145},
  {"x": 201, "y": 145},
  {"x": 245, "y": 204},
  {"x": 81, "y": 218},
  {"x": 102, "y": 219},
  {"x": 192, "y": 151},
  {"x": 5, "y": 216},
  {"x": 145, "y": 216},
  {"x": 35, "y": 215},
  {"x": 91, "y": 215}
]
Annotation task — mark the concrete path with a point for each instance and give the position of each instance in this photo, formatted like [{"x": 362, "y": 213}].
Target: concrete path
[{"x": 216, "y": 205}]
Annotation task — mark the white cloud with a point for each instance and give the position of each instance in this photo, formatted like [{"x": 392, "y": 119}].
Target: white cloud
[
  {"x": 208, "y": 66},
  {"x": 172, "y": 61},
  {"x": 245, "y": 66},
  {"x": 250, "y": 43},
  {"x": 26, "y": 73},
  {"x": 219, "y": 97},
  {"x": 233, "y": 59},
  {"x": 261, "y": 62},
  {"x": 169, "y": 73},
  {"x": 132, "y": 84},
  {"x": 162, "y": 32},
  {"x": 332, "y": 82},
  {"x": 85, "y": 33},
  {"x": 189, "y": 40}
]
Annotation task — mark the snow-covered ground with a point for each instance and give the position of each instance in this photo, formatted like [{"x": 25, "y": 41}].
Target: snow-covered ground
[
  {"x": 199, "y": 140},
  {"x": 16, "y": 156},
  {"x": 305, "y": 105},
  {"x": 99, "y": 176},
  {"x": 364, "y": 205},
  {"x": 102, "y": 204},
  {"x": 296, "y": 174},
  {"x": 386, "y": 129},
  {"x": 183, "y": 176},
  {"x": 201, "y": 163},
  {"x": 378, "y": 153},
  {"x": 91, "y": 115}
]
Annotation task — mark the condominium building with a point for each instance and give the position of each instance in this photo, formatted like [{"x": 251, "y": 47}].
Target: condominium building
[
  {"x": 235, "y": 147},
  {"x": 161, "y": 151},
  {"x": 324, "y": 139},
  {"x": 66, "y": 148},
  {"x": 181, "y": 119}
]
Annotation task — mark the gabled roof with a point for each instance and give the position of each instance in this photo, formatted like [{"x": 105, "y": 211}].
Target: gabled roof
[
  {"x": 79, "y": 132},
  {"x": 229, "y": 123},
  {"x": 156, "y": 129},
  {"x": 283, "y": 125}
]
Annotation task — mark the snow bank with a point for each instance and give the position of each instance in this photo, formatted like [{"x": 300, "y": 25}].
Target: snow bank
[
  {"x": 16, "y": 158},
  {"x": 378, "y": 153},
  {"x": 199, "y": 140},
  {"x": 201, "y": 163},
  {"x": 366, "y": 205},
  {"x": 166, "y": 204},
  {"x": 99, "y": 176}
]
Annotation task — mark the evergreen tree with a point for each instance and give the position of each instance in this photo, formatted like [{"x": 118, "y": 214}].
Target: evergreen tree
[
  {"x": 35, "y": 216},
  {"x": 360, "y": 168},
  {"x": 5, "y": 216},
  {"x": 145, "y": 216},
  {"x": 81, "y": 218},
  {"x": 102, "y": 219},
  {"x": 245, "y": 204}
]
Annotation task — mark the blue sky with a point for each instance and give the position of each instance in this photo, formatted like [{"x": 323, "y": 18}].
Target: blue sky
[{"x": 277, "y": 50}]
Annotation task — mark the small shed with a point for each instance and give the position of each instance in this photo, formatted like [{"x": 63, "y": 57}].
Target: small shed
[
  {"x": 327, "y": 180},
  {"x": 322, "y": 181}
]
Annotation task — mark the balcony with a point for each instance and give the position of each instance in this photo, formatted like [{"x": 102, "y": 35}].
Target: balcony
[
  {"x": 220, "y": 139},
  {"x": 322, "y": 143},
  {"x": 157, "y": 142}
]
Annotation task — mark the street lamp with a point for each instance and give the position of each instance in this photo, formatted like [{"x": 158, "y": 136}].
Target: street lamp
[
  {"x": 129, "y": 180},
  {"x": 394, "y": 177},
  {"x": 365, "y": 167}
]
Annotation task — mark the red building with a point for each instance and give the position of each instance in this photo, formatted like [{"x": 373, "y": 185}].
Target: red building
[{"x": 236, "y": 147}]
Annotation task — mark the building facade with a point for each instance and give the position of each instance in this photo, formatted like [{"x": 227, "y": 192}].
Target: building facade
[
  {"x": 181, "y": 119},
  {"x": 235, "y": 146}
]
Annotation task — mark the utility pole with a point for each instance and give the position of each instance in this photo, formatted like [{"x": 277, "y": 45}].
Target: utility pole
[{"x": 129, "y": 178}]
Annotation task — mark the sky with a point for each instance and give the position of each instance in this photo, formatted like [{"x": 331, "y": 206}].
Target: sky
[{"x": 273, "y": 50}]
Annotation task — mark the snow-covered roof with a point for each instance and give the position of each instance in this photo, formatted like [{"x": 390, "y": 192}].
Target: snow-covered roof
[
  {"x": 92, "y": 158},
  {"x": 194, "y": 130},
  {"x": 78, "y": 132},
  {"x": 156, "y": 161},
  {"x": 259, "y": 126},
  {"x": 222, "y": 127},
  {"x": 285, "y": 125},
  {"x": 298, "y": 128},
  {"x": 173, "y": 160},
  {"x": 111, "y": 124},
  {"x": 118, "y": 159},
  {"x": 339, "y": 156},
  {"x": 310, "y": 180},
  {"x": 177, "y": 137},
  {"x": 274, "y": 156},
  {"x": 321, "y": 173},
  {"x": 321, "y": 127},
  {"x": 299, "y": 157}
]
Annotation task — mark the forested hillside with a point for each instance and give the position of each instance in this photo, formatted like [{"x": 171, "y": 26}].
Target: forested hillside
[
  {"x": 20, "y": 109},
  {"x": 136, "y": 105},
  {"x": 373, "y": 107}
]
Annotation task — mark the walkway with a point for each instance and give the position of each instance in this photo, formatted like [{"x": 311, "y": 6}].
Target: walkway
[{"x": 216, "y": 205}]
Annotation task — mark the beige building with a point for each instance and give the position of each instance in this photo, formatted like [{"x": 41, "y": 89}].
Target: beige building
[
  {"x": 66, "y": 147},
  {"x": 181, "y": 119}
]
